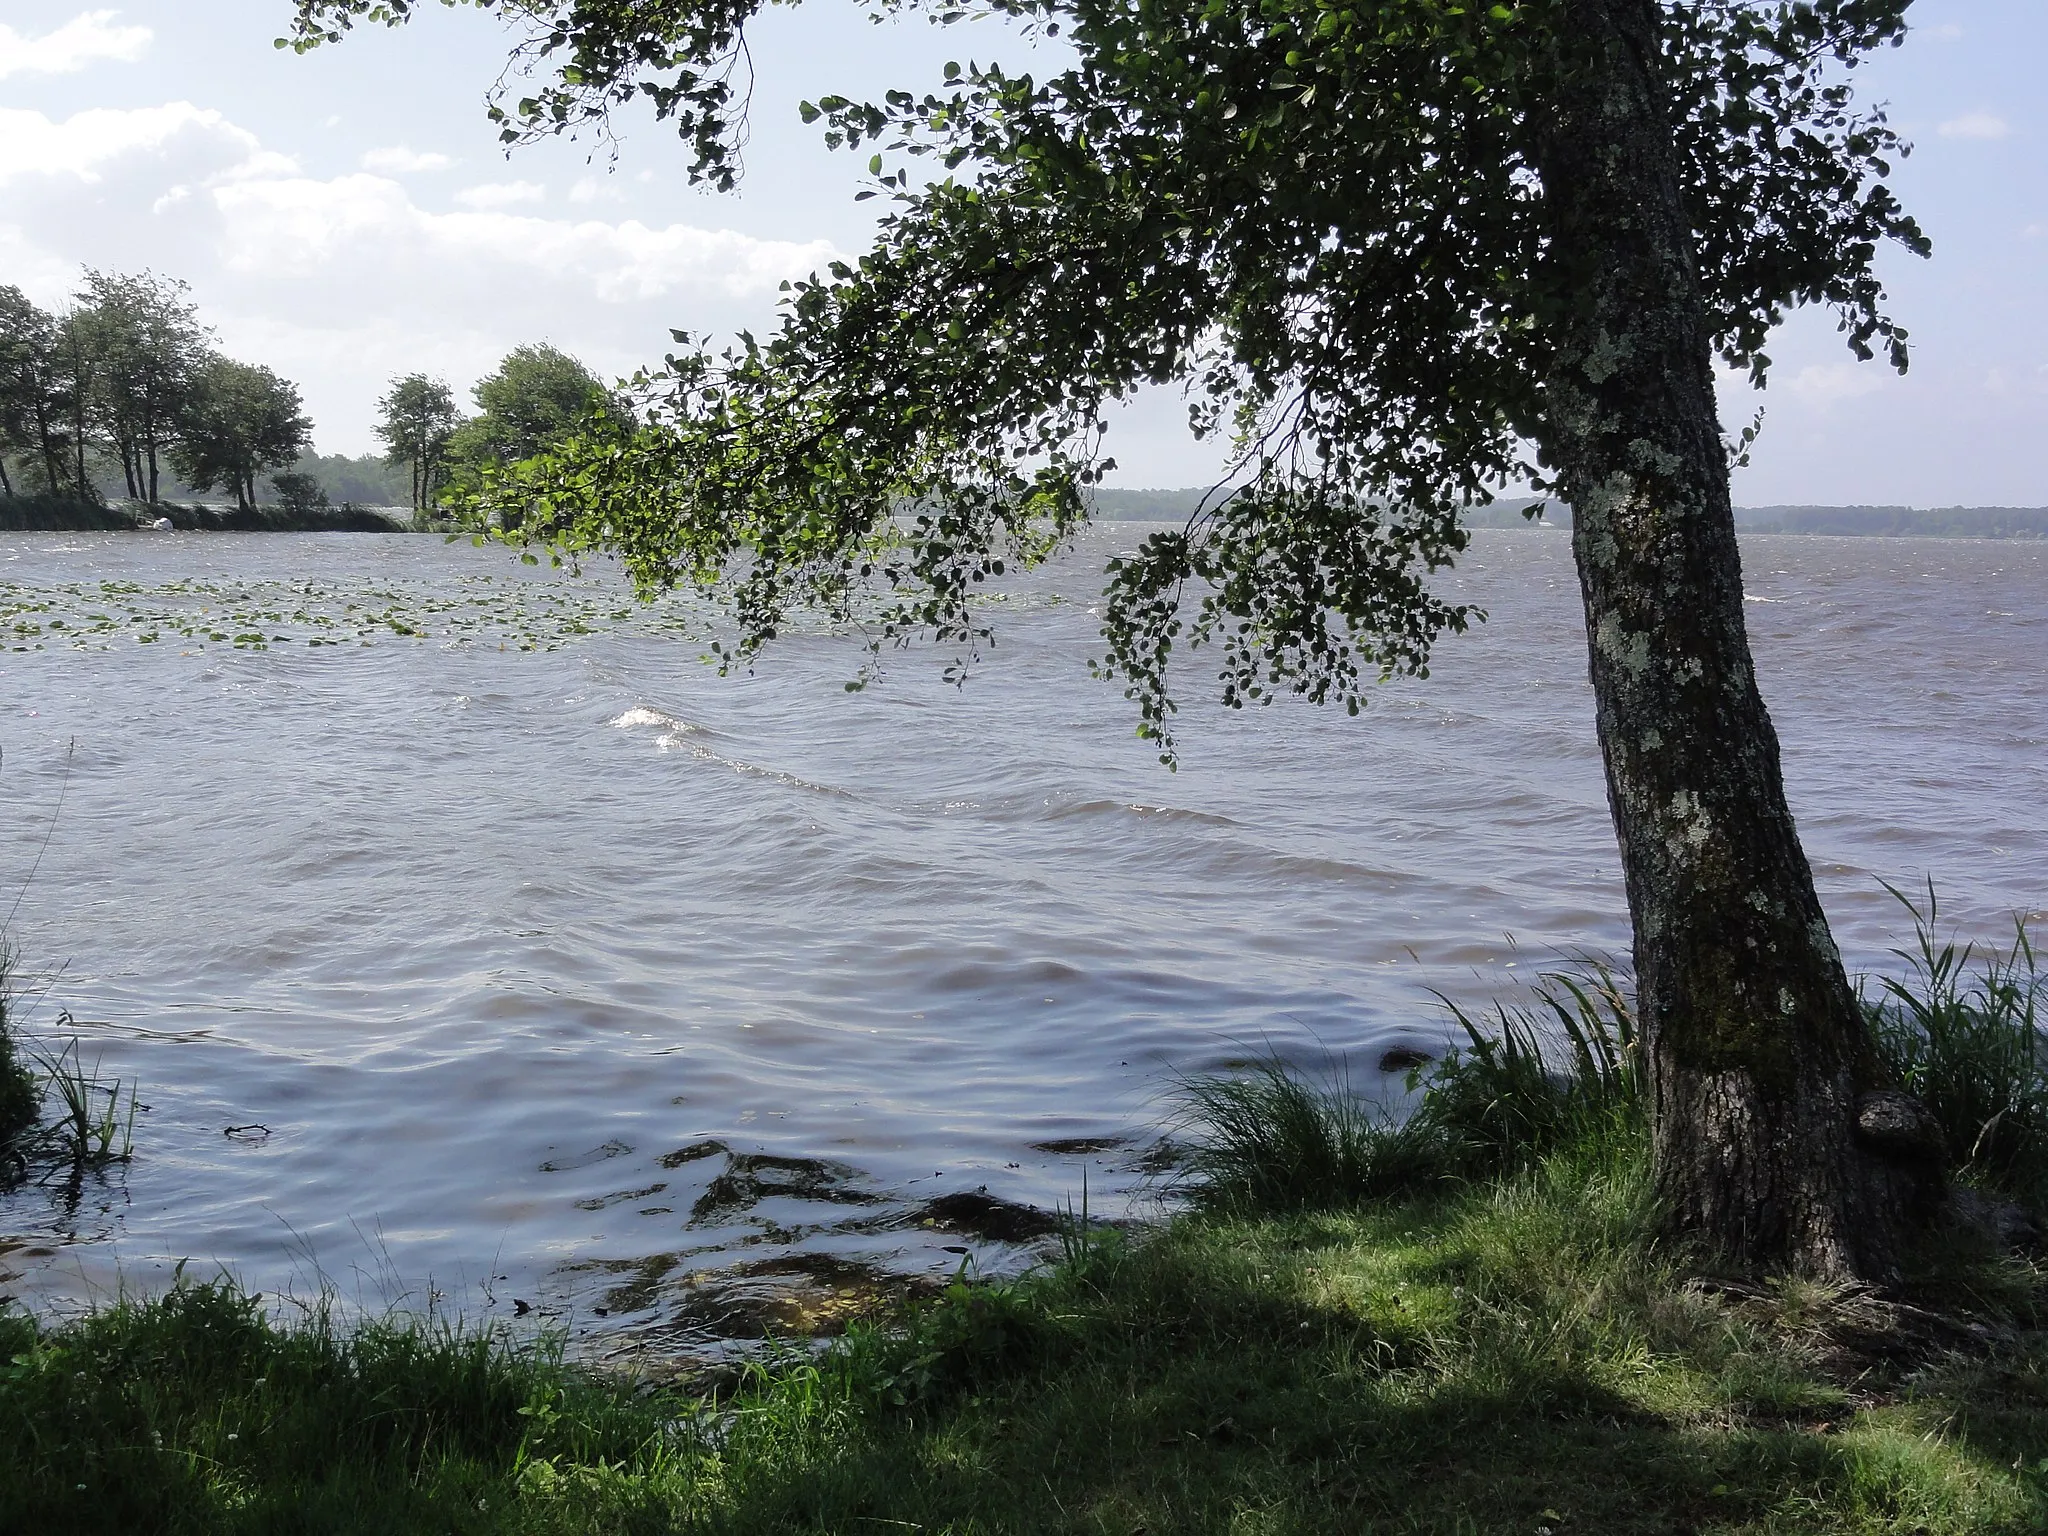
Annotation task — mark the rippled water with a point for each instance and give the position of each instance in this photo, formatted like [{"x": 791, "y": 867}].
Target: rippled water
[{"x": 497, "y": 907}]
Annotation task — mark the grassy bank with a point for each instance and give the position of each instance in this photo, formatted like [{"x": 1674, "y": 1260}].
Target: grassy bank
[
  {"x": 1501, "y": 1358},
  {"x": 1460, "y": 1324}
]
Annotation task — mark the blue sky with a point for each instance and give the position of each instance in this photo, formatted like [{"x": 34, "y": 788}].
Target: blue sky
[{"x": 348, "y": 215}]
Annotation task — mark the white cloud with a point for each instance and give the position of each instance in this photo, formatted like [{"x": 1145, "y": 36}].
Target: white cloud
[
  {"x": 502, "y": 194},
  {"x": 85, "y": 39},
  {"x": 592, "y": 189},
  {"x": 1946, "y": 32},
  {"x": 1975, "y": 125},
  {"x": 397, "y": 160},
  {"x": 341, "y": 282},
  {"x": 87, "y": 145},
  {"x": 1825, "y": 384}
]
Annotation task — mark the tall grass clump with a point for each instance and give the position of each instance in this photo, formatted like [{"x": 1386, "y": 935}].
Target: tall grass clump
[
  {"x": 1269, "y": 1139},
  {"x": 20, "y": 1095},
  {"x": 1561, "y": 1074},
  {"x": 1966, "y": 1040},
  {"x": 90, "y": 1130}
]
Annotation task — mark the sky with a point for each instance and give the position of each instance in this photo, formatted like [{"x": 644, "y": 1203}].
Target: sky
[{"x": 347, "y": 216}]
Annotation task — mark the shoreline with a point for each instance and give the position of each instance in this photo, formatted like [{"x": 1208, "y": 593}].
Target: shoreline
[{"x": 40, "y": 515}]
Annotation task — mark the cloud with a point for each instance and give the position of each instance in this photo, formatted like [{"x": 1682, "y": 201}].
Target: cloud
[
  {"x": 592, "y": 189},
  {"x": 1975, "y": 125},
  {"x": 85, "y": 39},
  {"x": 91, "y": 145},
  {"x": 1946, "y": 32},
  {"x": 397, "y": 160},
  {"x": 340, "y": 282},
  {"x": 502, "y": 194}
]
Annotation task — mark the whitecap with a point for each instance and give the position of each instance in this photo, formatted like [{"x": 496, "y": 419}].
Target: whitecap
[{"x": 639, "y": 714}]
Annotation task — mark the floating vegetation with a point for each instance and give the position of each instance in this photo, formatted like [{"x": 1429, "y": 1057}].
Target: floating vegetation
[{"x": 481, "y": 609}]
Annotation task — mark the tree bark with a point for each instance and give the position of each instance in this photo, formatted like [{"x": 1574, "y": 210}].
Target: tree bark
[{"x": 1759, "y": 1059}]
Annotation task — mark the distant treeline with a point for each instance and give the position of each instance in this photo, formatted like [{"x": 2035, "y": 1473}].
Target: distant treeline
[
  {"x": 124, "y": 383},
  {"x": 1884, "y": 522},
  {"x": 115, "y": 410},
  {"x": 1161, "y": 506},
  {"x": 1900, "y": 522}
]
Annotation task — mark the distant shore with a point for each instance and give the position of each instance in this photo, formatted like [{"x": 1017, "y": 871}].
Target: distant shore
[
  {"x": 1848, "y": 521},
  {"x": 44, "y": 514}
]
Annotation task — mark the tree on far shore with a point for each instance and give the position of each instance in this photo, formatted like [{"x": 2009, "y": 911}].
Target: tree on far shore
[
  {"x": 536, "y": 396},
  {"x": 416, "y": 417},
  {"x": 32, "y": 397},
  {"x": 142, "y": 334},
  {"x": 1407, "y": 253},
  {"x": 238, "y": 421}
]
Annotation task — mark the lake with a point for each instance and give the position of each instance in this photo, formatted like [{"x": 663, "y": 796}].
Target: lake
[{"x": 473, "y": 942}]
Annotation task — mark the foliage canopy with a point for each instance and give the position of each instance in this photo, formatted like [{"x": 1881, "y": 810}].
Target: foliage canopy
[{"x": 1322, "y": 218}]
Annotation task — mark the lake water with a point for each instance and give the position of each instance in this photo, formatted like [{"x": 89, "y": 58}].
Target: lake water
[{"x": 533, "y": 962}]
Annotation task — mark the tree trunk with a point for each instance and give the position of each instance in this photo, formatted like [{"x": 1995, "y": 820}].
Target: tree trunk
[
  {"x": 46, "y": 439},
  {"x": 1759, "y": 1060}
]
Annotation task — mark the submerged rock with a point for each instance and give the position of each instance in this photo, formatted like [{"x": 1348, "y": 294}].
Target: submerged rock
[{"x": 977, "y": 1213}]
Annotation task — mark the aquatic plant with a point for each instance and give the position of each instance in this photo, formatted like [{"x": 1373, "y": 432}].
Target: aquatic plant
[{"x": 90, "y": 1130}]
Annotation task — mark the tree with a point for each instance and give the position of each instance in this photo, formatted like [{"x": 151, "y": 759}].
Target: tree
[
  {"x": 535, "y": 397},
  {"x": 80, "y": 368},
  {"x": 23, "y": 329},
  {"x": 299, "y": 493},
  {"x": 145, "y": 334},
  {"x": 239, "y": 420},
  {"x": 33, "y": 399},
  {"x": 1408, "y": 252},
  {"x": 416, "y": 417}
]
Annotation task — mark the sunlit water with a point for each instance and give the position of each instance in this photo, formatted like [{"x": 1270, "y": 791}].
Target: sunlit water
[{"x": 476, "y": 914}]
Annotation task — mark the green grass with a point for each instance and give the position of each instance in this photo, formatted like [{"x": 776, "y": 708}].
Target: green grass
[{"x": 1496, "y": 1357}]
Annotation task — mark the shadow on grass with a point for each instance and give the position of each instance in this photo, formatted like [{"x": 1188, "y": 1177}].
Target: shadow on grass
[{"x": 1501, "y": 1359}]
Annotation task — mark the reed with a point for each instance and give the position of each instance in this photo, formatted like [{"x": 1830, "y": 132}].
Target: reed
[{"x": 90, "y": 1130}]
